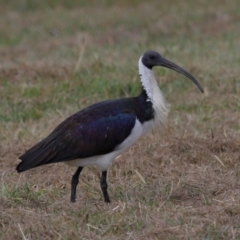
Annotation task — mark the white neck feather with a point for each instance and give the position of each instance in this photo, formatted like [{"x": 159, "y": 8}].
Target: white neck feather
[{"x": 149, "y": 83}]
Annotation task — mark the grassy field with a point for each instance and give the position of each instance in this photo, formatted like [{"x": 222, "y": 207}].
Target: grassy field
[{"x": 182, "y": 181}]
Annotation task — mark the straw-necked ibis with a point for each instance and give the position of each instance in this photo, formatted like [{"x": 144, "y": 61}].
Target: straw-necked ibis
[{"x": 99, "y": 133}]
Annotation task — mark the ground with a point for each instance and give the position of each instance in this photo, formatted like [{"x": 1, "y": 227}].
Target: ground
[{"x": 180, "y": 182}]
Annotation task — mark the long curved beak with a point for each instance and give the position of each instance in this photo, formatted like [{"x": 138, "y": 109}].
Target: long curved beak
[{"x": 168, "y": 64}]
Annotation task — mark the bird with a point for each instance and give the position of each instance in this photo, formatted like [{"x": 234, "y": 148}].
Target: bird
[{"x": 99, "y": 133}]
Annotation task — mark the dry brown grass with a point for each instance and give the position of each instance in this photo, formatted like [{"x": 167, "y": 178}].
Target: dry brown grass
[
  {"x": 181, "y": 182},
  {"x": 161, "y": 188}
]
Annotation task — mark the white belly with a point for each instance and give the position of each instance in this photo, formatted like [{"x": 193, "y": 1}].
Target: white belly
[
  {"x": 103, "y": 161},
  {"x": 148, "y": 126}
]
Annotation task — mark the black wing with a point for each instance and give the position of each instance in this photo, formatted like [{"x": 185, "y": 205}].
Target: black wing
[{"x": 95, "y": 130}]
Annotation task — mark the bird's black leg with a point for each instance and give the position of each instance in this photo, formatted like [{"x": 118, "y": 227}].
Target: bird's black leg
[
  {"x": 104, "y": 186},
  {"x": 74, "y": 184}
]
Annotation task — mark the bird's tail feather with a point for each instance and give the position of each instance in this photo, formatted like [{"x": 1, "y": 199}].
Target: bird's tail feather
[{"x": 40, "y": 154}]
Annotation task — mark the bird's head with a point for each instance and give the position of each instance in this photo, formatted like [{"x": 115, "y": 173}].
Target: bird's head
[{"x": 151, "y": 59}]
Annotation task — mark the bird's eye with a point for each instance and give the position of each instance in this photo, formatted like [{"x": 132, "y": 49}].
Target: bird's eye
[{"x": 151, "y": 57}]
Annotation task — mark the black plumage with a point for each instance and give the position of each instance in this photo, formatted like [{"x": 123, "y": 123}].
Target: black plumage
[{"x": 96, "y": 130}]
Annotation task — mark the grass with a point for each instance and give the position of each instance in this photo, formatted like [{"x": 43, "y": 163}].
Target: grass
[{"x": 180, "y": 182}]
